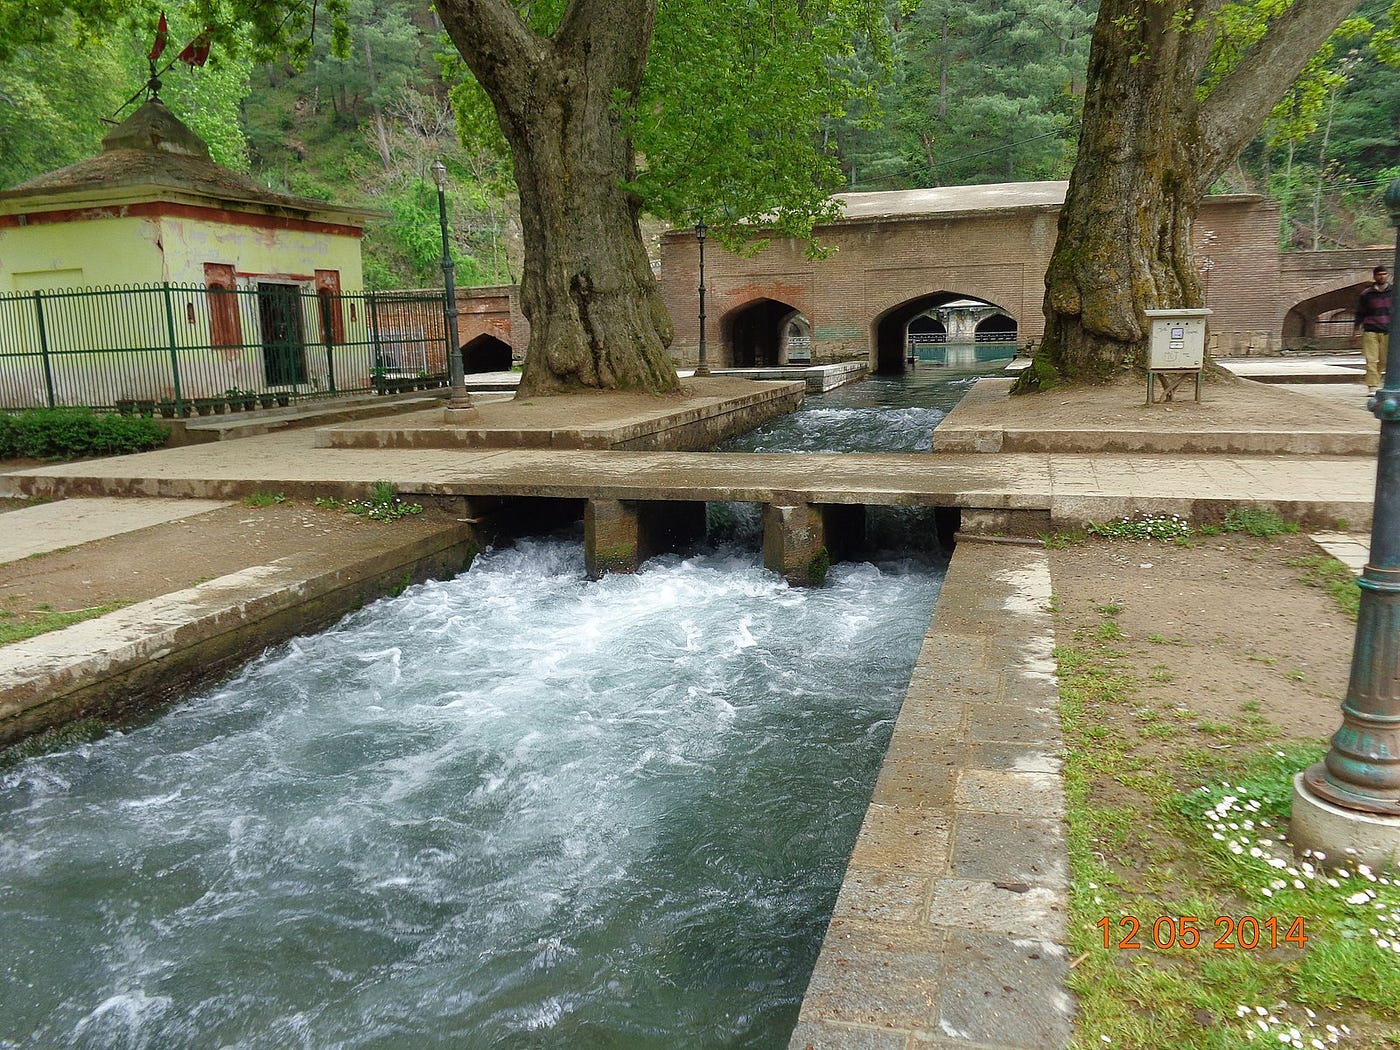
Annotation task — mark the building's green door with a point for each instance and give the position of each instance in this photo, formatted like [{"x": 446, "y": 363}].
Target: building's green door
[{"x": 284, "y": 353}]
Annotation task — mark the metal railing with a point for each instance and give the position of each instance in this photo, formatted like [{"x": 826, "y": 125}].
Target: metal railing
[{"x": 196, "y": 347}]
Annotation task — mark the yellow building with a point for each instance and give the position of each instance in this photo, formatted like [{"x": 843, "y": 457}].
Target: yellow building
[{"x": 202, "y": 278}]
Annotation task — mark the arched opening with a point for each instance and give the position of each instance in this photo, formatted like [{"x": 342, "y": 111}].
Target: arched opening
[
  {"x": 998, "y": 328},
  {"x": 1322, "y": 322},
  {"x": 754, "y": 333},
  {"x": 936, "y": 318},
  {"x": 485, "y": 353},
  {"x": 797, "y": 341},
  {"x": 925, "y": 331}
]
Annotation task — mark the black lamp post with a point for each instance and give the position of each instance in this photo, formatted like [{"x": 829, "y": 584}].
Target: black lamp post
[
  {"x": 1361, "y": 774},
  {"x": 702, "y": 368},
  {"x": 459, "y": 402}
]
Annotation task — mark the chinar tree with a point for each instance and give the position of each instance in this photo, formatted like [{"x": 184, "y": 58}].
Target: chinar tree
[
  {"x": 693, "y": 110},
  {"x": 1174, "y": 90}
]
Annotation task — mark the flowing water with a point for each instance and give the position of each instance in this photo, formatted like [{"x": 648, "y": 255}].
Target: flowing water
[
  {"x": 513, "y": 809},
  {"x": 879, "y": 414}
]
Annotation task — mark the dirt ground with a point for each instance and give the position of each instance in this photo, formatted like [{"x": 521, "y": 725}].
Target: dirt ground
[
  {"x": 1227, "y": 403},
  {"x": 1217, "y": 632},
  {"x": 170, "y": 557}
]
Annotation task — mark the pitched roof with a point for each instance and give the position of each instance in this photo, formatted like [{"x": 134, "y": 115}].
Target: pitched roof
[{"x": 152, "y": 150}]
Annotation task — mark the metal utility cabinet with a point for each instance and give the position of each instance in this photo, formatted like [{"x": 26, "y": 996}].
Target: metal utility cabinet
[{"x": 1176, "y": 349}]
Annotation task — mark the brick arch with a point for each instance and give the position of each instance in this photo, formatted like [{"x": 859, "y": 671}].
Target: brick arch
[
  {"x": 1000, "y": 326},
  {"x": 486, "y": 353},
  {"x": 752, "y": 334},
  {"x": 889, "y": 329},
  {"x": 1300, "y": 323}
]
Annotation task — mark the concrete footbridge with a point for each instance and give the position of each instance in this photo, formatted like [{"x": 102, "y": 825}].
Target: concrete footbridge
[{"x": 638, "y": 503}]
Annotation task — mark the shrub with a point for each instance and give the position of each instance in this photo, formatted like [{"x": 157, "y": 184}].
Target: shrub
[{"x": 68, "y": 433}]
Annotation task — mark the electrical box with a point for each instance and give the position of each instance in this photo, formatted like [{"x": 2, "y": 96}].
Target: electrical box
[{"x": 1177, "y": 339}]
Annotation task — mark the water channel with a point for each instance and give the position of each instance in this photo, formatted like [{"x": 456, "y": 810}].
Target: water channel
[{"x": 512, "y": 809}]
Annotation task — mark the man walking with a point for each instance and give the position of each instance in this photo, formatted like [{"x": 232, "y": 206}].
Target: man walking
[{"x": 1372, "y": 325}]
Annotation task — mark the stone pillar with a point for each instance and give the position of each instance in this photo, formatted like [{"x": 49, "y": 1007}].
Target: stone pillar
[
  {"x": 792, "y": 536},
  {"x": 611, "y": 537},
  {"x": 618, "y": 535}
]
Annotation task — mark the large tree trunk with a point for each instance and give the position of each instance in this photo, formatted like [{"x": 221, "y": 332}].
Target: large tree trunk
[
  {"x": 1125, "y": 229},
  {"x": 1148, "y": 152},
  {"x": 596, "y": 315}
]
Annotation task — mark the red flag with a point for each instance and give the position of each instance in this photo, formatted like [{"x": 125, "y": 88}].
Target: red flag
[
  {"x": 196, "y": 52},
  {"x": 162, "y": 31}
]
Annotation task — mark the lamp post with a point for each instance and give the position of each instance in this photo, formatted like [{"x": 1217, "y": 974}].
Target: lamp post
[
  {"x": 459, "y": 403},
  {"x": 1349, "y": 803},
  {"x": 702, "y": 368}
]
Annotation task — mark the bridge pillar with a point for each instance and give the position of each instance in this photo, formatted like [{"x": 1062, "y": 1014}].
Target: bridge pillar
[
  {"x": 800, "y": 540},
  {"x": 618, "y": 535}
]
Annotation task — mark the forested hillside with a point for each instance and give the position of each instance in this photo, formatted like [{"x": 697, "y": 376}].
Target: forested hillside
[{"x": 977, "y": 92}]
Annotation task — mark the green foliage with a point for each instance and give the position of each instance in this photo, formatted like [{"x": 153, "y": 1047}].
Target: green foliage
[
  {"x": 980, "y": 94},
  {"x": 54, "y": 96},
  {"x": 382, "y": 505},
  {"x": 729, "y": 121},
  {"x": 1257, "y": 522},
  {"x": 264, "y": 499},
  {"x": 68, "y": 433},
  {"x": 52, "y": 101},
  {"x": 1147, "y": 527}
]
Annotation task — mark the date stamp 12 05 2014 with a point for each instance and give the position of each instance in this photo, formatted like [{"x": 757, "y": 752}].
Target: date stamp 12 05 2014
[{"x": 1224, "y": 932}]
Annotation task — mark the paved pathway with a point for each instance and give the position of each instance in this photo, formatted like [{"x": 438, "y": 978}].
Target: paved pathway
[
  {"x": 53, "y": 526},
  {"x": 1073, "y": 488}
]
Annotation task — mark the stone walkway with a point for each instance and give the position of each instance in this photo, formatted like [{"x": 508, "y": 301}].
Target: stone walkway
[{"x": 949, "y": 928}]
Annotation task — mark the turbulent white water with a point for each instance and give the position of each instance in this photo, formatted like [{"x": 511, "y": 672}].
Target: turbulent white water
[{"x": 514, "y": 809}]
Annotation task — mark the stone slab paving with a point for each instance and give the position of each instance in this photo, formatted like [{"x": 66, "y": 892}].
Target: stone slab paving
[
  {"x": 949, "y": 928},
  {"x": 1350, "y": 548},
  {"x": 52, "y": 526}
]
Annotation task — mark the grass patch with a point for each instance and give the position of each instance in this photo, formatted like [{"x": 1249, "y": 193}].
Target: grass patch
[
  {"x": 382, "y": 505},
  {"x": 1196, "y": 874},
  {"x": 1148, "y": 527},
  {"x": 1327, "y": 573},
  {"x": 1257, "y": 522},
  {"x": 264, "y": 499},
  {"x": 17, "y": 626}
]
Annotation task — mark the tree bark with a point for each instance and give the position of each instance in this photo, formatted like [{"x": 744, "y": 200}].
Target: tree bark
[
  {"x": 595, "y": 311},
  {"x": 1148, "y": 152}
]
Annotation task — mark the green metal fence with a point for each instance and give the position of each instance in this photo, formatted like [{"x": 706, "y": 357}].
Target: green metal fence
[{"x": 181, "y": 349}]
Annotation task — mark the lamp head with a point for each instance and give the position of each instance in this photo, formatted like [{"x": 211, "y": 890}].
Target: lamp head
[{"x": 440, "y": 174}]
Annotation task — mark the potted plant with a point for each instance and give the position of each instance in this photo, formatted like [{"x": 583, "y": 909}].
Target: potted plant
[
  {"x": 145, "y": 407},
  {"x": 250, "y": 400},
  {"x": 167, "y": 408},
  {"x": 204, "y": 405},
  {"x": 126, "y": 406},
  {"x": 267, "y": 399},
  {"x": 234, "y": 398},
  {"x": 284, "y": 398}
]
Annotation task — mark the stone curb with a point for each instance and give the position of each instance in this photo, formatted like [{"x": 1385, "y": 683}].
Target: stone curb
[
  {"x": 950, "y": 925},
  {"x": 140, "y": 656}
]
